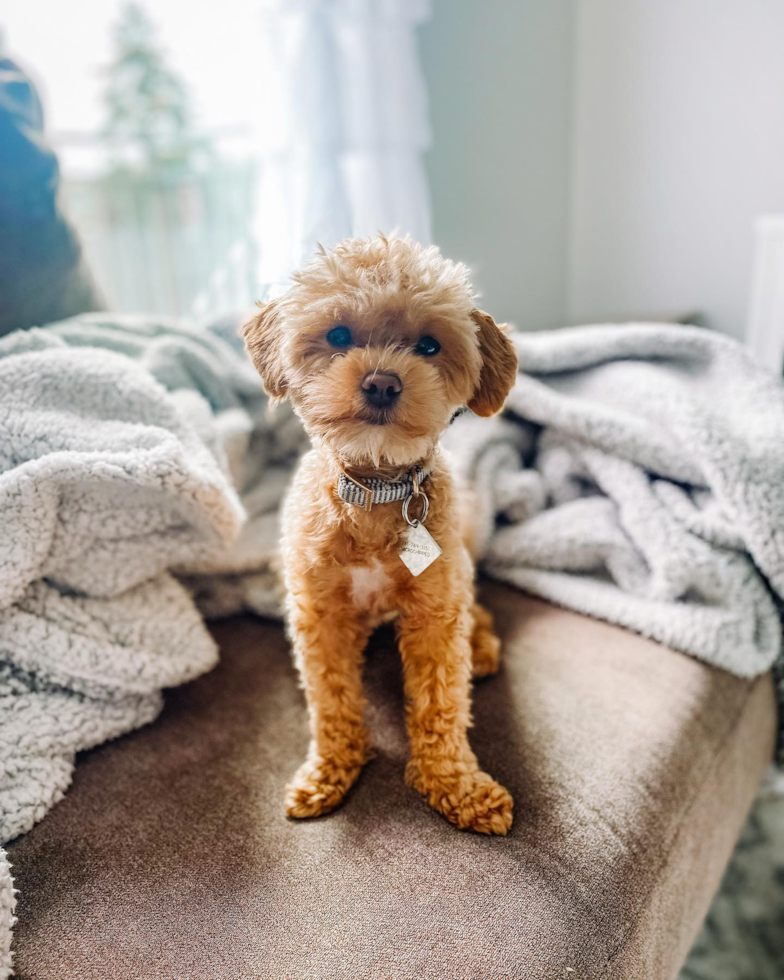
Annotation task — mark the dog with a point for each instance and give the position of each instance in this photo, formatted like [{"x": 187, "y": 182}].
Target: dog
[{"x": 378, "y": 344}]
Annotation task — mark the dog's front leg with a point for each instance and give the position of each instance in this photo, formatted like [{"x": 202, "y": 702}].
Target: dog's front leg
[
  {"x": 328, "y": 644},
  {"x": 436, "y": 651}
]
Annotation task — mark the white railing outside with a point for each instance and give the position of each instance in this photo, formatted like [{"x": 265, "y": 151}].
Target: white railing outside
[{"x": 175, "y": 242}]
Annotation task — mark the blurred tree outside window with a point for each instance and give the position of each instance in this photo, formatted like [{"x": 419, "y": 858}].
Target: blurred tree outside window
[
  {"x": 147, "y": 104},
  {"x": 204, "y": 153},
  {"x": 167, "y": 222}
]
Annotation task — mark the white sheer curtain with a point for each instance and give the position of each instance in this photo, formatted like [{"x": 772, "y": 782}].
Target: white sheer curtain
[{"x": 343, "y": 126}]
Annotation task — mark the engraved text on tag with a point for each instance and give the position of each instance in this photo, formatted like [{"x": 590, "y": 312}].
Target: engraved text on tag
[{"x": 419, "y": 549}]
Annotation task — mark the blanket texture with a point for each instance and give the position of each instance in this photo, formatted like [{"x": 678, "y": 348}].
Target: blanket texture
[
  {"x": 122, "y": 446},
  {"x": 637, "y": 476}
]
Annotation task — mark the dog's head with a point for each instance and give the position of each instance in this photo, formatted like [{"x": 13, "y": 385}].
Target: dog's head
[{"x": 378, "y": 344}]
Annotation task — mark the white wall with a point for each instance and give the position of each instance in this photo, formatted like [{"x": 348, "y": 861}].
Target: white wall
[
  {"x": 678, "y": 146},
  {"x": 499, "y": 74}
]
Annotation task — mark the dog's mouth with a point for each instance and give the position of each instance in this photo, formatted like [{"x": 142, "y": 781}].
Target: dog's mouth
[{"x": 378, "y": 416}]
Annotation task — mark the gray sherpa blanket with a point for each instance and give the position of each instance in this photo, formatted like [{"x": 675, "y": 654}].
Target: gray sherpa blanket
[
  {"x": 637, "y": 476},
  {"x": 124, "y": 446}
]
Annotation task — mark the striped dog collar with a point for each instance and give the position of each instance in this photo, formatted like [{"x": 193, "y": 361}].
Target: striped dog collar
[{"x": 366, "y": 491}]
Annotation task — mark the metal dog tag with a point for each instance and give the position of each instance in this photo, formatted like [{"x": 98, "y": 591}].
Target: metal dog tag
[{"x": 419, "y": 549}]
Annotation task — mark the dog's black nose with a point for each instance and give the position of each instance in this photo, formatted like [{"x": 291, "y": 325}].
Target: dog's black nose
[{"x": 381, "y": 388}]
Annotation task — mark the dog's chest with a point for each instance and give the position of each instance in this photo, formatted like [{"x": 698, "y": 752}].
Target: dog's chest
[{"x": 371, "y": 587}]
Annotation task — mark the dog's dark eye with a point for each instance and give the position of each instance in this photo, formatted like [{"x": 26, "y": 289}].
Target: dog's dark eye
[
  {"x": 339, "y": 336},
  {"x": 428, "y": 346}
]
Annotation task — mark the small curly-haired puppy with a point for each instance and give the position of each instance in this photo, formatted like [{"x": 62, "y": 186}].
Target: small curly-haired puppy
[{"x": 377, "y": 344}]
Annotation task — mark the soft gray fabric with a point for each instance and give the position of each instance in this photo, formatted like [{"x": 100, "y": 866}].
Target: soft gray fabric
[
  {"x": 108, "y": 481},
  {"x": 652, "y": 493}
]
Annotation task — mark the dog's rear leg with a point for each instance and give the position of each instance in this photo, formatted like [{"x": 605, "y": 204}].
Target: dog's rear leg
[
  {"x": 485, "y": 645},
  {"x": 328, "y": 645}
]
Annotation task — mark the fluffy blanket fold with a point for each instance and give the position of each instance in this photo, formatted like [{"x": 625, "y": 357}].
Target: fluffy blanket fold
[
  {"x": 638, "y": 476},
  {"x": 121, "y": 445}
]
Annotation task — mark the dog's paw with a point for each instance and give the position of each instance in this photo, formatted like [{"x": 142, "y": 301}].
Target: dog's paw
[
  {"x": 479, "y": 804},
  {"x": 317, "y": 788},
  {"x": 473, "y": 802},
  {"x": 485, "y": 654},
  {"x": 485, "y": 645}
]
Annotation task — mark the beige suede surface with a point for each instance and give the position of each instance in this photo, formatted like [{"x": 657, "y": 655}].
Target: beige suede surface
[{"x": 632, "y": 769}]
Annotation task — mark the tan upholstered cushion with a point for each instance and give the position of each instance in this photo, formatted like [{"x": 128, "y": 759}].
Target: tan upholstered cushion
[{"x": 632, "y": 769}]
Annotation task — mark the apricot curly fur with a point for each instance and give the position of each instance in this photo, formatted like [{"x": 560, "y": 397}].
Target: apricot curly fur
[
  {"x": 485, "y": 645},
  {"x": 342, "y": 570}
]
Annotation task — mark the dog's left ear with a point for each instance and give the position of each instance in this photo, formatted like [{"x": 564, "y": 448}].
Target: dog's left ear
[
  {"x": 263, "y": 342},
  {"x": 499, "y": 366}
]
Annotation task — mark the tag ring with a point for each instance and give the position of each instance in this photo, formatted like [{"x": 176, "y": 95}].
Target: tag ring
[{"x": 425, "y": 507}]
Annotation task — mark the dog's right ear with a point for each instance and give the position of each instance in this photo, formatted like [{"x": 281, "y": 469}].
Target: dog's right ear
[{"x": 262, "y": 337}]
